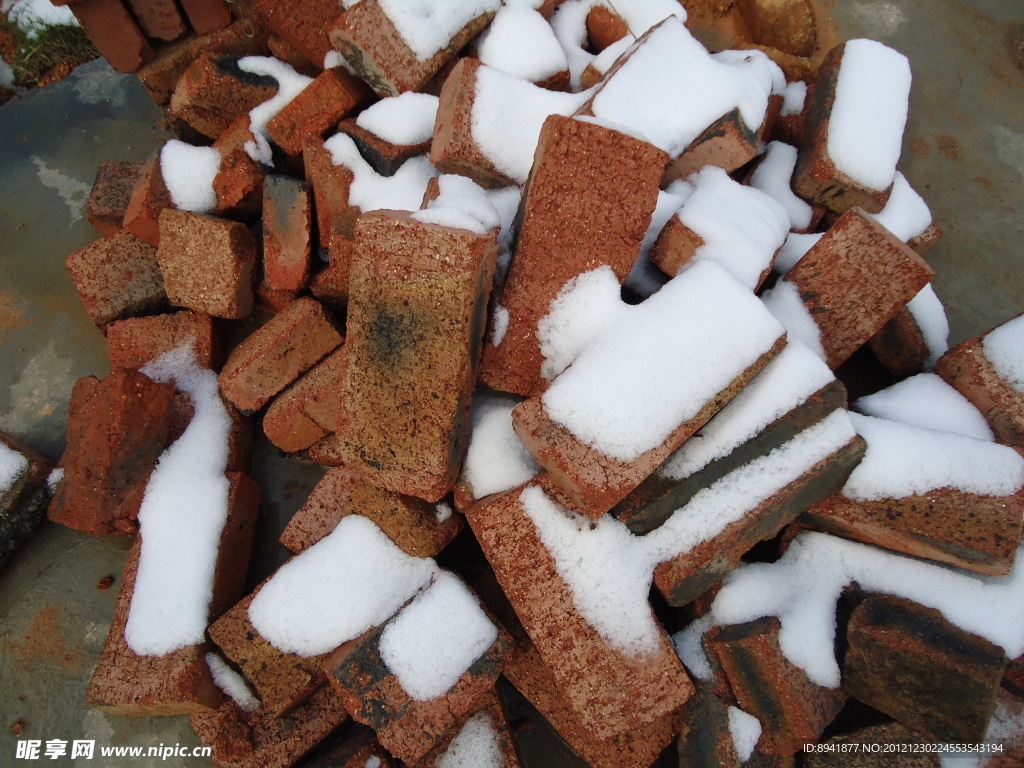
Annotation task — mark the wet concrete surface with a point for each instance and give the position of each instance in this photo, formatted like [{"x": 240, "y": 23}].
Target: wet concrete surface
[{"x": 964, "y": 152}]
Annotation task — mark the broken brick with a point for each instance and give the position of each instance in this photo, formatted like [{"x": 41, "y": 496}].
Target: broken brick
[
  {"x": 287, "y": 233},
  {"x": 158, "y": 18},
  {"x": 208, "y": 264},
  {"x": 302, "y": 23},
  {"x": 238, "y": 183},
  {"x": 787, "y": 25},
  {"x": 901, "y": 346},
  {"x": 117, "y": 277},
  {"x": 705, "y": 738},
  {"x": 384, "y": 157},
  {"x": 149, "y": 198},
  {"x": 335, "y": 218},
  {"x": 117, "y": 429},
  {"x": 114, "y": 32},
  {"x": 207, "y": 16},
  {"x": 488, "y": 714},
  {"x": 727, "y": 143},
  {"x": 588, "y": 203},
  {"x": 24, "y": 498},
  {"x": 604, "y": 27},
  {"x": 136, "y": 341},
  {"x": 332, "y": 95},
  {"x": 111, "y": 192},
  {"x": 330, "y": 284},
  {"x": 911, "y": 663},
  {"x": 278, "y": 353},
  {"x": 311, "y": 407},
  {"x": 215, "y": 91},
  {"x": 284, "y": 51}
]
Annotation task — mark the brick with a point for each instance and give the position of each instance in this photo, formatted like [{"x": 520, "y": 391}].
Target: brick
[
  {"x": 854, "y": 280},
  {"x": 416, "y": 314},
  {"x": 114, "y": 33},
  {"x": 610, "y": 692},
  {"x": 303, "y": 24},
  {"x": 784, "y": 24},
  {"x": 207, "y": 16},
  {"x": 311, "y": 407},
  {"x": 278, "y": 353},
  {"x": 923, "y": 242},
  {"x": 208, "y": 264},
  {"x": 335, "y": 219},
  {"x": 158, "y": 19},
  {"x": 384, "y": 157},
  {"x": 790, "y": 129},
  {"x": 330, "y": 284},
  {"x": 240, "y": 435},
  {"x": 876, "y": 747},
  {"x": 24, "y": 498},
  {"x": 179, "y": 682},
  {"x": 488, "y": 717},
  {"x": 287, "y": 233},
  {"x": 407, "y": 727},
  {"x": 604, "y": 27},
  {"x": 117, "y": 277},
  {"x": 587, "y": 204},
  {"x": 214, "y": 91},
  {"x": 267, "y": 739},
  {"x": 136, "y": 341},
  {"x": 111, "y": 192},
  {"x": 792, "y": 709},
  {"x": 966, "y": 368},
  {"x": 332, "y": 95},
  {"x": 901, "y": 346},
  {"x": 705, "y": 738},
  {"x": 357, "y": 748},
  {"x": 239, "y": 180},
  {"x": 284, "y": 51},
  {"x": 328, "y": 451},
  {"x": 149, "y": 198},
  {"x": 117, "y": 429},
  {"x": 727, "y": 143},
  {"x": 909, "y": 662},
  {"x": 369, "y": 41},
  {"x": 325, "y": 507}
]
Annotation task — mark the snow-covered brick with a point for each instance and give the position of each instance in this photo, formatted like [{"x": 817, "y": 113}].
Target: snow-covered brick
[
  {"x": 521, "y": 42},
  {"x": 188, "y": 173},
  {"x": 925, "y": 400},
  {"x": 405, "y": 119},
  {"x": 772, "y": 176}
]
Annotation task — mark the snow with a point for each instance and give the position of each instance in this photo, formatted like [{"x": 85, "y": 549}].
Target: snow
[
  {"x": 32, "y": 15},
  {"x": 188, "y": 173},
  {"x": 353, "y": 579},
  {"x": 506, "y": 203},
  {"x": 460, "y": 204},
  {"x": 521, "y": 42},
  {"x": 510, "y": 144},
  {"x": 405, "y": 120},
  {"x": 689, "y": 646},
  {"x": 443, "y": 511},
  {"x": 742, "y": 227},
  {"x": 231, "y": 683},
  {"x": 745, "y": 731},
  {"x": 612, "y": 126},
  {"x": 904, "y": 460},
  {"x": 641, "y": 15},
  {"x": 773, "y": 176},
  {"x": 475, "y": 746},
  {"x": 930, "y": 316},
  {"x": 906, "y": 213},
  {"x": 183, "y": 513},
  {"x": 6, "y": 75},
  {"x": 803, "y": 586},
  {"x": 52, "y": 480},
  {"x": 12, "y": 466},
  {"x": 719, "y": 328},
  {"x": 865, "y": 127},
  {"x": 783, "y": 301},
  {"x": 793, "y": 99},
  {"x": 926, "y": 400},
  {"x": 428, "y": 26},
  {"x": 372, "y": 762},
  {"x": 289, "y": 85},
  {"x": 1004, "y": 349},
  {"x": 435, "y": 639},
  {"x": 604, "y": 60},
  {"x": 1006, "y": 726},
  {"x": 369, "y": 190},
  {"x": 499, "y": 324},
  {"x": 795, "y": 248},
  {"x": 569, "y": 23},
  {"x": 645, "y": 279},
  {"x": 496, "y": 460}
]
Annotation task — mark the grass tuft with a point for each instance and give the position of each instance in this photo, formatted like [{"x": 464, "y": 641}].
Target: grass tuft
[{"x": 50, "y": 46}]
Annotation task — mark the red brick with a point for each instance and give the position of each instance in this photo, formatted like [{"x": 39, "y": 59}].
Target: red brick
[
  {"x": 490, "y": 709},
  {"x": 334, "y": 94},
  {"x": 784, "y": 24},
  {"x": 324, "y": 509},
  {"x": 609, "y": 691},
  {"x": 284, "y": 51},
  {"x": 369, "y": 41},
  {"x": 966, "y": 368},
  {"x": 311, "y": 407},
  {"x": 604, "y": 27},
  {"x": 358, "y": 745},
  {"x": 117, "y": 277},
  {"x": 209, "y": 264},
  {"x": 416, "y": 314},
  {"x": 385, "y": 158},
  {"x": 158, "y": 18},
  {"x": 303, "y": 23},
  {"x": 126, "y": 683},
  {"x": 727, "y": 143},
  {"x": 790, "y": 129},
  {"x": 587, "y": 204},
  {"x": 911, "y": 663},
  {"x": 705, "y": 739},
  {"x": 854, "y": 280},
  {"x": 240, "y": 179},
  {"x": 287, "y": 233},
  {"x": 330, "y": 284},
  {"x": 328, "y": 451},
  {"x": 24, "y": 500},
  {"x": 117, "y": 429},
  {"x": 273, "y": 299},
  {"x": 792, "y": 709},
  {"x": 136, "y": 341},
  {"x": 207, "y": 16},
  {"x": 110, "y": 194},
  {"x": 149, "y": 198},
  {"x": 923, "y": 242},
  {"x": 114, "y": 33},
  {"x": 335, "y": 218},
  {"x": 274, "y": 356},
  {"x": 901, "y": 346},
  {"x": 215, "y": 91}
]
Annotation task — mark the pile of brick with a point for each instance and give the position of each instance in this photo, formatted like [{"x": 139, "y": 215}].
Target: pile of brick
[{"x": 385, "y": 365}]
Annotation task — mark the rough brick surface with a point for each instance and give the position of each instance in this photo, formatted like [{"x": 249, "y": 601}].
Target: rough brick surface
[
  {"x": 587, "y": 204},
  {"x": 111, "y": 192},
  {"x": 209, "y": 264},
  {"x": 384, "y": 157},
  {"x": 901, "y": 346},
  {"x": 325, "y": 507},
  {"x": 792, "y": 709},
  {"x": 909, "y": 662},
  {"x": 489, "y": 707},
  {"x": 206, "y": 16},
  {"x": 303, "y": 23},
  {"x": 274, "y": 356},
  {"x": 727, "y": 143},
  {"x": 335, "y": 220},
  {"x": 369, "y": 41},
  {"x": 23, "y": 501},
  {"x": 611, "y": 693},
  {"x": 284, "y": 51},
  {"x": 136, "y": 341},
  {"x": 215, "y": 91},
  {"x": 114, "y": 33},
  {"x": 116, "y": 430},
  {"x": 287, "y": 233},
  {"x": 148, "y": 200},
  {"x": 705, "y": 739},
  {"x": 318, "y": 108},
  {"x": 179, "y": 682},
  {"x": 787, "y": 25},
  {"x": 854, "y": 280},
  {"x": 117, "y": 277},
  {"x": 158, "y": 19},
  {"x": 417, "y": 306},
  {"x": 239, "y": 181},
  {"x": 310, "y": 408},
  {"x": 604, "y": 27}
]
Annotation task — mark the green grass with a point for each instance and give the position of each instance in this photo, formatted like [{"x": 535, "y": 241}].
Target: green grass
[{"x": 51, "y": 45}]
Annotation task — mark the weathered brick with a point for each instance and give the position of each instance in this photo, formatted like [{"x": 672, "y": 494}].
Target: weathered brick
[
  {"x": 207, "y": 16},
  {"x": 138, "y": 340},
  {"x": 335, "y": 219},
  {"x": 901, "y": 346},
  {"x": 239, "y": 181},
  {"x": 911, "y": 663},
  {"x": 208, "y": 264},
  {"x": 875, "y": 746},
  {"x": 369, "y": 41},
  {"x": 588, "y": 203},
  {"x": 923, "y": 242},
  {"x": 417, "y": 307},
  {"x": 149, "y": 198},
  {"x": 116, "y": 430},
  {"x": 284, "y": 51},
  {"x": 334, "y": 94},
  {"x": 213, "y": 92},
  {"x": 274, "y": 356},
  {"x": 604, "y": 27},
  {"x": 311, "y": 407},
  {"x": 158, "y": 18},
  {"x": 111, "y": 192},
  {"x": 384, "y": 157},
  {"x": 784, "y": 24},
  {"x": 609, "y": 691},
  {"x": 114, "y": 33},
  {"x": 287, "y": 233},
  {"x": 355, "y": 748},
  {"x": 727, "y": 143},
  {"x": 304, "y": 24},
  {"x": 488, "y": 714},
  {"x": 117, "y": 277},
  {"x": 179, "y": 682},
  {"x": 24, "y": 499},
  {"x": 705, "y": 739},
  {"x": 854, "y": 280},
  {"x": 792, "y": 709}
]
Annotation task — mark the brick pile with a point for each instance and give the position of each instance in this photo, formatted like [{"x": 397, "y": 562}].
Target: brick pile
[{"x": 373, "y": 366}]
